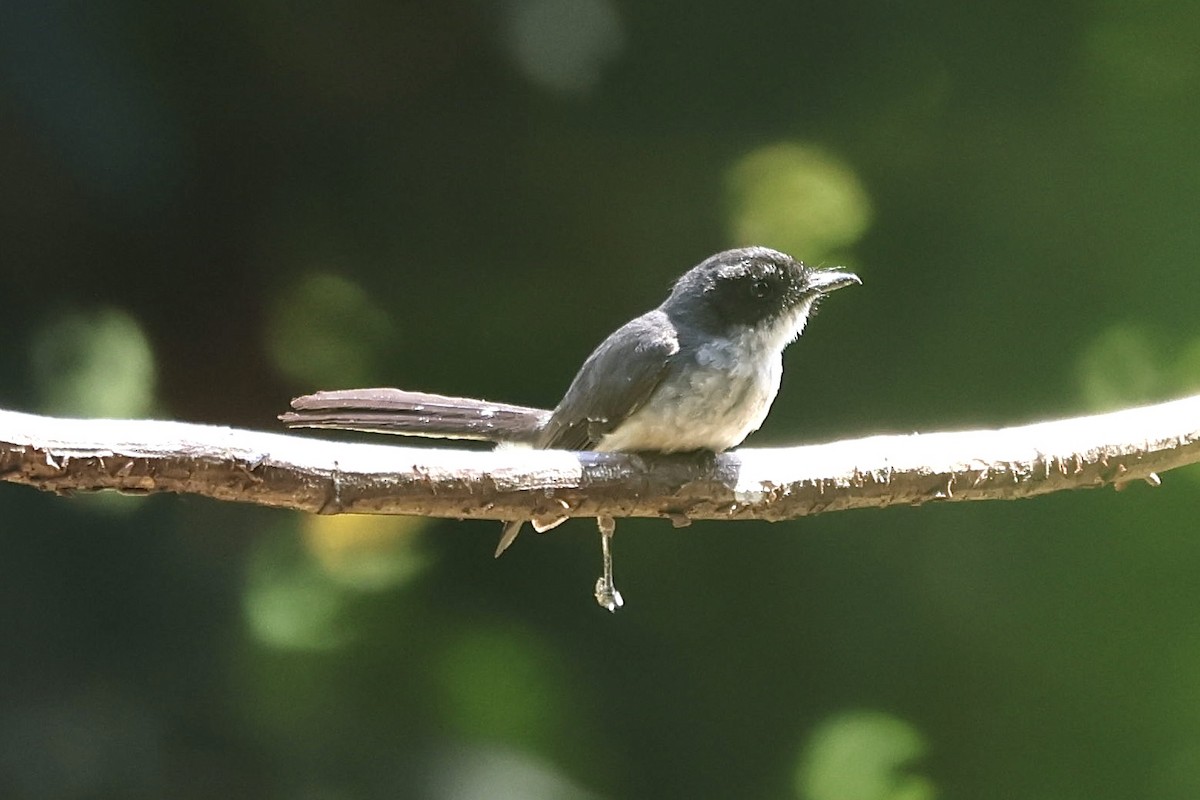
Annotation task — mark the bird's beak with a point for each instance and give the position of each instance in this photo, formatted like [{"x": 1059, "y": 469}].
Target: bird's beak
[{"x": 824, "y": 281}]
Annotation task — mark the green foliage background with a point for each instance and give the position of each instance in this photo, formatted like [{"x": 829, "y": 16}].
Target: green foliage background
[{"x": 211, "y": 207}]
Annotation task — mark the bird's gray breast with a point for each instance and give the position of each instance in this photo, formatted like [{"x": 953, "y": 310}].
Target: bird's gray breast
[{"x": 715, "y": 393}]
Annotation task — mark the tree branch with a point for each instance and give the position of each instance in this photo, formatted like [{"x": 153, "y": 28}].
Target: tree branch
[{"x": 289, "y": 471}]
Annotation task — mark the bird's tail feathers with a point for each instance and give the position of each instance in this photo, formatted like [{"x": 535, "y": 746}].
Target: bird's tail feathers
[{"x": 416, "y": 414}]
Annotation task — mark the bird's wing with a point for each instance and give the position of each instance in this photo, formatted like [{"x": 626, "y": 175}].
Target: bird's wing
[
  {"x": 616, "y": 380},
  {"x": 640, "y": 354}
]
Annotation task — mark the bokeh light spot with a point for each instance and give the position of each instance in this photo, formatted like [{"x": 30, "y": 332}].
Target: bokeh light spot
[
  {"x": 1133, "y": 53},
  {"x": 503, "y": 685},
  {"x": 563, "y": 45},
  {"x": 289, "y": 602},
  {"x": 797, "y": 198},
  {"x": 366, "y": 551},
  {"x": 1186, "y": 381},
  {"x": 488, "y": 772},
  {"x": 1187, "y": 367},
  {"x": 863, "y": 755},
  {"x": 97, "y": 364},
  {"x": 1119, "y": 367},
  {"x": 326, "y": 331}
]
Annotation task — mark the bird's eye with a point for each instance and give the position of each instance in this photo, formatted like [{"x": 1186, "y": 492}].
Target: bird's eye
[{"x": 760, "y": 288}]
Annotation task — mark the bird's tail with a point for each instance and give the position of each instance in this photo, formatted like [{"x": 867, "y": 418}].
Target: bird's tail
[
  {"x": 416, "y": 414},
  {"x": 508, "y": 535}
]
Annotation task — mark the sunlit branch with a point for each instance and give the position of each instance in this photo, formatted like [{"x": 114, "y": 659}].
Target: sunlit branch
[{"x": 309, "y": 474}]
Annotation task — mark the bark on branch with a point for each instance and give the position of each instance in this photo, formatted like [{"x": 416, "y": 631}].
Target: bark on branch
[{"x": 307, "y": 474}]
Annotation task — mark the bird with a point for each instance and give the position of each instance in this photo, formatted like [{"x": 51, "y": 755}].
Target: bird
[{"x": 698, "y": 373}]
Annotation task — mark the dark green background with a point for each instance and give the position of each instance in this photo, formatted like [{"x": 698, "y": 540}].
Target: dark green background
[{"x": 211, "y": 207}]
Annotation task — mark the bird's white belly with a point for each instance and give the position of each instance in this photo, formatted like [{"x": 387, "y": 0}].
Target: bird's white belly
[{"x": 726, "y": 397}]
